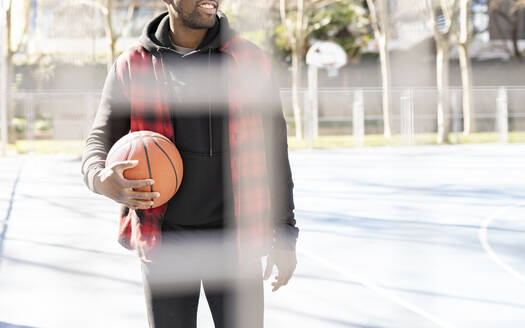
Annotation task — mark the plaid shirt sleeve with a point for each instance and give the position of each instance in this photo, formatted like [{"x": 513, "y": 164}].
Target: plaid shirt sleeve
[{"x": 112, "y": 121}]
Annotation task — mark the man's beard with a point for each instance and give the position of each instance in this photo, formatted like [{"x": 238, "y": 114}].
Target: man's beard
[{"x": 195, "y": 20}]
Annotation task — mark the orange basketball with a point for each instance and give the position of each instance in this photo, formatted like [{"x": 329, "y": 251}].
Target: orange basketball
[{"x": 158, "y": 159}]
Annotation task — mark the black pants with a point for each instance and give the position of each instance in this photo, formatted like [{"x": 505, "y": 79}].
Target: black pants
[{"x": 189, "y": 256}]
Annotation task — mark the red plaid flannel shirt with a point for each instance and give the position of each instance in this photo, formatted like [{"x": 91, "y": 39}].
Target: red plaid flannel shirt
[{"x": 142, "y": 77}]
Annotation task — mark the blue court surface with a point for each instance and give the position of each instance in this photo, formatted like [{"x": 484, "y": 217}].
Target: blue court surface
[{"x": 390, "y": 237}]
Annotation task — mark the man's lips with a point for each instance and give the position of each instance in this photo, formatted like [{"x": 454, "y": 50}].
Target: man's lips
[{"x": 209, "y": 7}]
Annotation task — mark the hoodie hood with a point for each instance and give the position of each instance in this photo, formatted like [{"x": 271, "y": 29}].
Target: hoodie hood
[{"x": 155, "y": 36}]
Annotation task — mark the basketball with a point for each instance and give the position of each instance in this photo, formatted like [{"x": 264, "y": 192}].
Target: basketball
[{"x": 158, "y": 159}]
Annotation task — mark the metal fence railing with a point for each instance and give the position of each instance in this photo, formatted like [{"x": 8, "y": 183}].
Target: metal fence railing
[
  {"x": 357, "y": 111},
  {"x": 412, "y": 110},
  {"x": 52, "y": 115}
]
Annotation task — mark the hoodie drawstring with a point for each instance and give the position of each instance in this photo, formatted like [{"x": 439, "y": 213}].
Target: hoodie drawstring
[
  {"x": 209, "y": 103},
  {"x": 165, "y": 81}
]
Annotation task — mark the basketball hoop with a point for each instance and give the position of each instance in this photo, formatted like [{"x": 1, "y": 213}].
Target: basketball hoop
[
  {"x": 332, "y": 69},
  {"x": 327, "y": 55}
]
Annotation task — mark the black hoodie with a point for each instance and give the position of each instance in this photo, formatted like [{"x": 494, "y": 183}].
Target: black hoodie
[
  {"x": 199, "y": 107},
  {"x": 199, "y": 116}
]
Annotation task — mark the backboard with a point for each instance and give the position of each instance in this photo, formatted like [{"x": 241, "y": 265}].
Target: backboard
[{"x": 328, "y": 55}]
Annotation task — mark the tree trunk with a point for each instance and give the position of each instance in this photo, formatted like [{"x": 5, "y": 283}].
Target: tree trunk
[
  {"x": 466, "y": 83},
  {"x": 385, "y": 78},
  {"x": 442, "y": 73},
  {"x": 9, "y": 70},
  {"x": 110, "y": 36},
  {"x": 9, "y": 97},
  {"x": 296, "y": 81},
  {"x": 380, "y": 26},
  {"x": 383, "y": 38},
  {"x": 515, "y": 36},
  {"x": 465, "y": 66},
  {"x": 3, "y": 83}
]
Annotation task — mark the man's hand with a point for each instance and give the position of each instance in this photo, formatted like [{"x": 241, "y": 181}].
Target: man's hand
[
  {"x": 111, "y": 183},
  {"x": 286, "y": 261}
]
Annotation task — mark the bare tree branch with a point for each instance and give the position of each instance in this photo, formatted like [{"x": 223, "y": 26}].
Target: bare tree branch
[
  {"x": 27, "y": 13},
  {"x": 517, "y": 7},
  {"x": 288, "y": 30},
  {"x": 131, "y": 10},
  {"x": 520, "y": 4},
  {"x": 94, "y": 4},
  {"x": 504, "y": 16},
  {"x": 373, "y": 15},
  {"x": 314, "y": 5},
  {"x": 432, "y": 18}
]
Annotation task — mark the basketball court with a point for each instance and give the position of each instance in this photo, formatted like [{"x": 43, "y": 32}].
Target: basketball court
[{"x": 390, "y": 237}]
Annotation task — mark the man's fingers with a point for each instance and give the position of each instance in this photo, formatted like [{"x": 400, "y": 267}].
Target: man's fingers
[
  {"x": 124, "y": 165},
  {"x": 279, "y": 281},
  {"x": 269, "y": 268},
  {"x": 284, "y": 275},
  {"x": 138, "y": 204},
  {"x": 142, "y": 195},
  {"x": 137, "y": 183}
]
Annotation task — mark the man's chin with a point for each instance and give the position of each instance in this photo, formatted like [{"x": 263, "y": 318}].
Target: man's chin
[
  {"x": 202, "y": 24},
  {"x": 208, "y": 22}
]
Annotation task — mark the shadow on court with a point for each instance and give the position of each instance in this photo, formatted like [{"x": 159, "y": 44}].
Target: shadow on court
[{"x": 9, "y": 325}]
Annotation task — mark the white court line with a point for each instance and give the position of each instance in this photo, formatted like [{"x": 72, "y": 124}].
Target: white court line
[
  {"x": 378, "y": 290},
  {"x": 486, "y": 246}
]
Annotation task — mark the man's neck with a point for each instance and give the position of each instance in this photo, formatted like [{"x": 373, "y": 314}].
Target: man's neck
[{"x": 182, "y": 35}]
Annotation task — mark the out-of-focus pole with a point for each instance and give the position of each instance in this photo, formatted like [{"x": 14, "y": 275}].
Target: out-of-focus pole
[
  {"x": 308, "y": 121},
  {"x": 455, "y": 115},
  {"x": 30, "y": 121},
  {"x": 3, "y": 77},
  {"x": 312, "y": 90},
  {"x": 407, "y": 117},
  {"x": 90, "y": 115},
  {"x": 358, "y": 118},
  {"x": 311, "y": 111},
  {"x": 502, "y": 118}
]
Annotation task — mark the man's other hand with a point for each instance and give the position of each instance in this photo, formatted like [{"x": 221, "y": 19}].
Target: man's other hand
[
  {"x": 286, "y": 261},
  {"x": 111, "y": 183}
]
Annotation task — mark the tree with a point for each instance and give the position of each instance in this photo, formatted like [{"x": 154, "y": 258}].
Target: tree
[
  {"x": 109, "y": 19},
  {"x": 443, "y": 16},
  {"x": 450, "y": 23},
  {"x": 463, "y": 42},
  {"x": 253, "y": 19},
  {"x": 297, "y": 26},
  {"x": 14, "y": 42},
  {"x": 344, "y": 23},
  {"x": 380, "y": 25},
  {"x": 106, "y": 9},
  {"x": 294, "y": 22}
]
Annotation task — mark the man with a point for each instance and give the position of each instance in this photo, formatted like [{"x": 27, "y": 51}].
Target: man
[{"x": 194, "y": 79}]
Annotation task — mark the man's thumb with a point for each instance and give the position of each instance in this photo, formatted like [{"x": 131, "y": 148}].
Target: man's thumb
[{"x": 269, "y": 268}]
